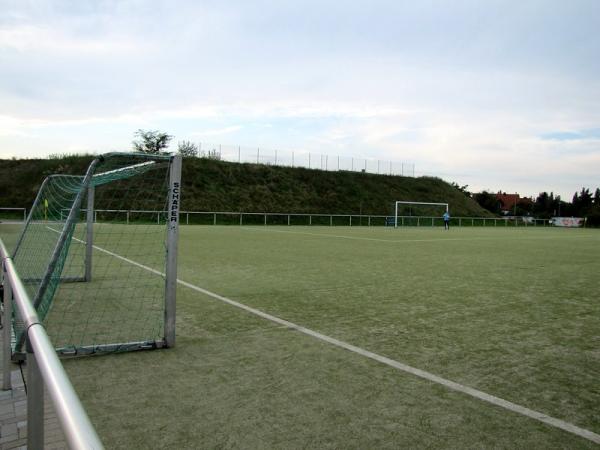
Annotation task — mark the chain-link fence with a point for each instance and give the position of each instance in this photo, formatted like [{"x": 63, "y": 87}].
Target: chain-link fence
[{"x": 301, "y": 158}]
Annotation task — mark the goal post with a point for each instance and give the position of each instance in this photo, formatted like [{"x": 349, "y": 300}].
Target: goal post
[
  {"x": 101, "y": 283},
  {"x": 399, "y": 203}
]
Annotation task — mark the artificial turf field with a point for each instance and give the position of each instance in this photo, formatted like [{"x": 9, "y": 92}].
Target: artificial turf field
[{"x": 512, "y": 312}]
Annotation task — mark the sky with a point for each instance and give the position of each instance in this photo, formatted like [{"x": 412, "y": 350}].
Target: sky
[{"x": 496, "y": 95}]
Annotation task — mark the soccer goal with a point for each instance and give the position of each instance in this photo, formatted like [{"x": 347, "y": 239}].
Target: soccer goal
[
  {"x": 98, "y": 255},
  {"x": 418, "y": 213}
]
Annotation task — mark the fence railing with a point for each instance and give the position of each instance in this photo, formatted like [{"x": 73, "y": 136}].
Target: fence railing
[
  {"x": 301, "y": 158},
  {"x": 13, "y": 214},
  {"x": 306, "y": 219},
  {"x": 44, "y": 369}
]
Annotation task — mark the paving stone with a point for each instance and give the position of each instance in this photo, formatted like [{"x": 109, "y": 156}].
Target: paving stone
[{"x": 9, "y": 428}]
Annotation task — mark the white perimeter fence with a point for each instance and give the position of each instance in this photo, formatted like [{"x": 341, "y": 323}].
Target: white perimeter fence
[
  {"x": 259, "y": 218},
  {"x": 300, "y": 158}
]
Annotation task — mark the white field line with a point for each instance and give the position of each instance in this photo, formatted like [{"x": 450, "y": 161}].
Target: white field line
[
  {"x": 359, "y": 238},
  {"x": 558, "y": 423}
]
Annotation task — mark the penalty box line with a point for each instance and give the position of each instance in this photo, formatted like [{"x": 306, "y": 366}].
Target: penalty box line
[{"x": 497, "y": 401}]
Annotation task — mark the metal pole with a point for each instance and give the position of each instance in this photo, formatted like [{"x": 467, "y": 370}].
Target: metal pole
[
  {"x": 265, "y": 219},
  {"x": 288, "y": 219},
  {"x": 89, "y": 239},
  {"x": 7, "y": 332},
  {"x": 215, "y": 219},
  {"x": 35, "y": 403},
  {"x": 172, "y": 241},
  {"x": 396, "y": 216}
]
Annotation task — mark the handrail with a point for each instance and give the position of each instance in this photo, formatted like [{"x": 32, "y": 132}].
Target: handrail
[{"x": 76, "y": 425}]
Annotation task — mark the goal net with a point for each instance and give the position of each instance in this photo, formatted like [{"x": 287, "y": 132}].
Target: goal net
[
  {"x": 98, "y": 255},
  {"x": 408, "y": 213}
]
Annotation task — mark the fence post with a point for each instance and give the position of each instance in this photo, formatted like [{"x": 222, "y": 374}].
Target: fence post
[
  {"x": 7, "y": 331},
  {"x": 310, "y": 219},
  {"x": 241, "y": 216},
  {"x": 265, "y": 219},
  {"x": 215, "y": 219},
  {"x": 330, "y": 221},
  {"x": 35, "y": 402},
  {"x": 288, "y": 220}
]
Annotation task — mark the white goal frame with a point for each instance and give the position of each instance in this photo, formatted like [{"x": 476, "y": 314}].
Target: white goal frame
[{"x": 414, "y": 203}]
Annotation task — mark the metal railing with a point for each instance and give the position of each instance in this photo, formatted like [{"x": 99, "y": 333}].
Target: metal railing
[
  {"x": 271, "y": 218},
  {"x": 44, "y": 369},
  {"x": 13, "y": 213}
]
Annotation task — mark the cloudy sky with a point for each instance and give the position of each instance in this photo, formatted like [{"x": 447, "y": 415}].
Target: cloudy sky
[{"x": 493, "y": 94}]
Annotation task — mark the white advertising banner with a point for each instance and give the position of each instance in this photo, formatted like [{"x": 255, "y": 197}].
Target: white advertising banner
[{"x": 571, "y": 222}]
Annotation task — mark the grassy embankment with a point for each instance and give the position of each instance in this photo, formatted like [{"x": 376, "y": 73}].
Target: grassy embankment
[{"x": 210, "y": 185}]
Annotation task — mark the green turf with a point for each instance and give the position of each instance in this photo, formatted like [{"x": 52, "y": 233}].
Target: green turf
[{"x": 512, "y": 312}]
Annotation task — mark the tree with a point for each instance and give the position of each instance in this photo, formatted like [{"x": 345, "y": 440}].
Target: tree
[
  {"x": 488, "y": 201},
  {"x": 187, "y": 149},
  {"x": 151, "y": 141},
  {"x": 462, "y": 189}
]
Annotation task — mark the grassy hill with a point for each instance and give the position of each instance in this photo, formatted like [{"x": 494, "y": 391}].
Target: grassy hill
[{"x": 210, "y": 185}]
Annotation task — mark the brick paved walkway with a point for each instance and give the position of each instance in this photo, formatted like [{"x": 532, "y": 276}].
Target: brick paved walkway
[{"x": 13, "y": 415}]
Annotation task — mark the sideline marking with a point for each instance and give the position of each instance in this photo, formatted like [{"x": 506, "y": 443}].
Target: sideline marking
[
  {"x": 541, "y": 417},
  {"x": 358, "y": 238}
]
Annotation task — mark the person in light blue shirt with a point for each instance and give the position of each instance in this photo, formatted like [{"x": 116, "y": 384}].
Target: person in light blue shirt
[{"x": 446, "y": 217}]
